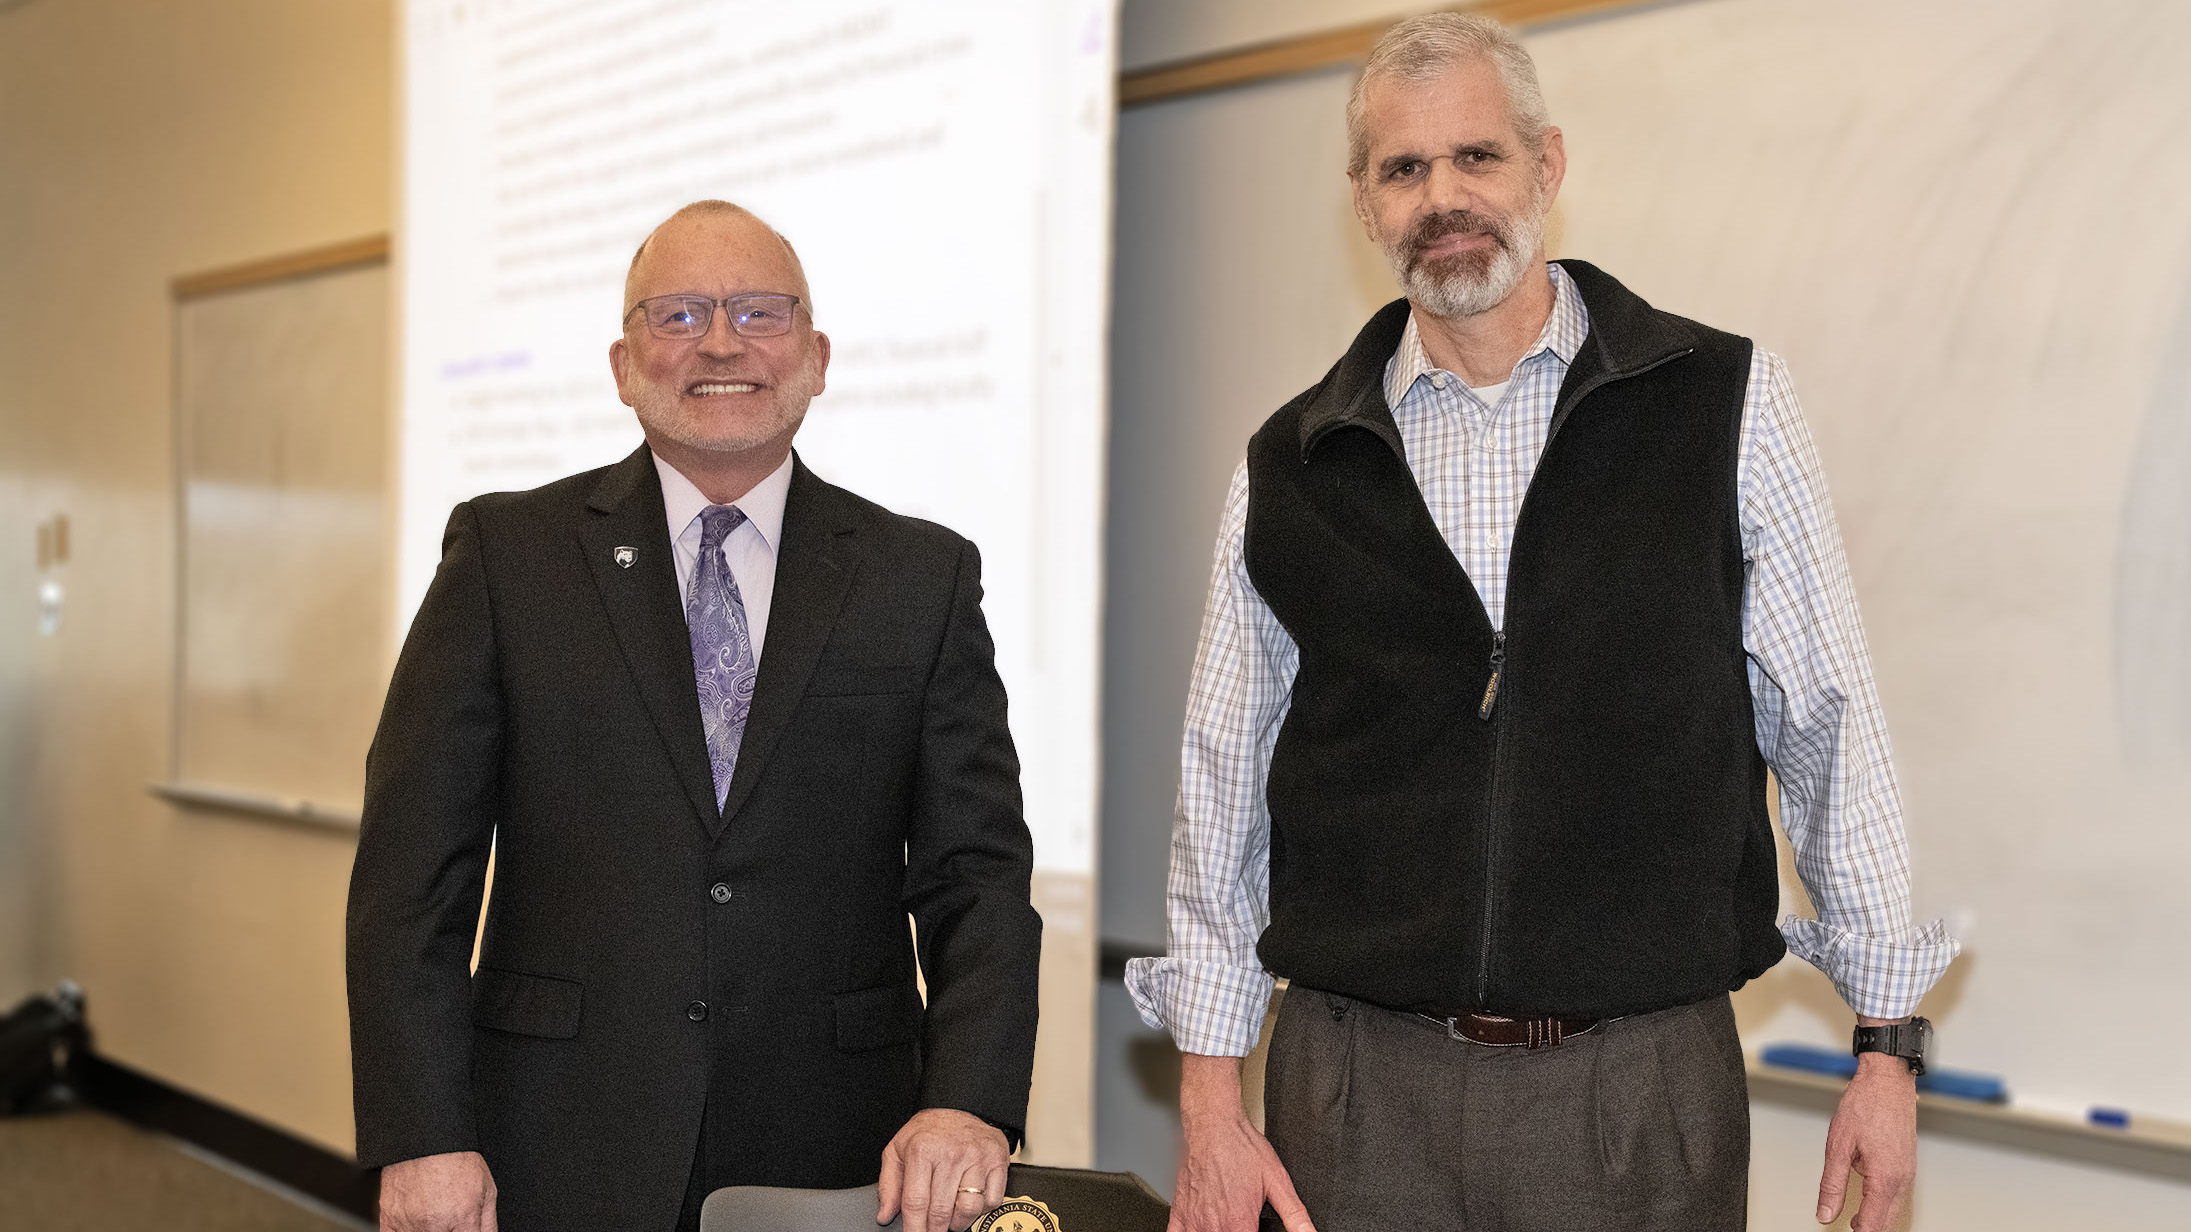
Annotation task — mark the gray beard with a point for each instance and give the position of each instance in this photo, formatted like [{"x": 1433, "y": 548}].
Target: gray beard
[
  {"x": 1470, "y": 287},
  {"x": 661, "y": 411}
]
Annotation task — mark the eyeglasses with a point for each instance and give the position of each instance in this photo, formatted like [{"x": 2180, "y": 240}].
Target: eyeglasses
[{"x": 761, "y": 315}]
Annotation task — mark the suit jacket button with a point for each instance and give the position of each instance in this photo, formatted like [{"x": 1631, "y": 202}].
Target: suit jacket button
[
  {"x": 697, "y": 1011},
  {"x": 719, "y": 892}
]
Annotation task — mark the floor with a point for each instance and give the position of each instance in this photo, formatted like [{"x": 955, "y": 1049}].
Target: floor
[{"x": 84, "y": 1171}]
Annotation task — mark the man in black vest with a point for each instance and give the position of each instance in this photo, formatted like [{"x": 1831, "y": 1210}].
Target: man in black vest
[{"x": 1511, "y": 612}]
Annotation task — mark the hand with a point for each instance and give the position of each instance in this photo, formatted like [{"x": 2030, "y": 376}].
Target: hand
[
  {"x": 1229, "y": 1169},
  {"x": 438, "y": 1193},
  {"x": 1874, "y": 1132},
  {"x": 927, "y": 1168}
]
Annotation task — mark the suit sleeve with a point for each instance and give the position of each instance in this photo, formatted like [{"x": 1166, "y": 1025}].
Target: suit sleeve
[
  {"x": 430, "y": 786},
  {"x": 969, "y": 863}
]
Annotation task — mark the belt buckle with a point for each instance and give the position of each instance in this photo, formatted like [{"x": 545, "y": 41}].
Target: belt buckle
[
  {"x": 1543, "y": 1032},
  {"x": 1453, "y": 1032}
]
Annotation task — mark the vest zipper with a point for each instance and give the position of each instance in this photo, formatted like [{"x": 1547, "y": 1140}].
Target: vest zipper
[
  {"x": 1491, "y": 819},
  {"x": 1498, "y": 665}
]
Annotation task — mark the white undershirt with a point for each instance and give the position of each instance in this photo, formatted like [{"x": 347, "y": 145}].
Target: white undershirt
[
  {"x": 1489, "y": 395},
  {"x": 750, "y": 550}
]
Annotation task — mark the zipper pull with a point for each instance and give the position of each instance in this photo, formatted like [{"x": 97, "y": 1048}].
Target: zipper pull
[{"x": 1498, "y": 667}]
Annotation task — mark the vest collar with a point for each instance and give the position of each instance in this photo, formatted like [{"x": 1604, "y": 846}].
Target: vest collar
[
  {"x": 1627, "y": 336},
  {"x": 1353, "y": 392}
]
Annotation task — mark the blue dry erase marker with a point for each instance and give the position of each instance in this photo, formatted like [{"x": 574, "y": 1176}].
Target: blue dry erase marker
[{"x": 1809, "y": 1057}]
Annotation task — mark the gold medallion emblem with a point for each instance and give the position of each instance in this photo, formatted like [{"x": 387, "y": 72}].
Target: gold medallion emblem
[{"x": 1018, "y": 1215}]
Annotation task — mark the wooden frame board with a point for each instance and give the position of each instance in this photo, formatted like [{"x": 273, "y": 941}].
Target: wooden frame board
[
  {"x": 364, "y": 250},
  {"x": 1307, "y": 53}
]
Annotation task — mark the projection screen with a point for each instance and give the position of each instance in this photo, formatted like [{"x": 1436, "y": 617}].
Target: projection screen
[{"x": 945, "y": 172}]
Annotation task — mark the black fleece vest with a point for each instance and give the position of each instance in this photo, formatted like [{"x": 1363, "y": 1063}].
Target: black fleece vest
[{"x": 1598, "y": 844}]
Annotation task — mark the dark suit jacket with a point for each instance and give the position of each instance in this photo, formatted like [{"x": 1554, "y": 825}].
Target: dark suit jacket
[{"x": 645, "y": 955}]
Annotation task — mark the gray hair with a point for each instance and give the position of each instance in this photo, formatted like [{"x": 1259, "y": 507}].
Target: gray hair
[{"x": 1424, "y": 47}]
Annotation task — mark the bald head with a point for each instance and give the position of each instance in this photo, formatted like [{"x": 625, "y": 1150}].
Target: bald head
[{"x": 734, "y": 234}]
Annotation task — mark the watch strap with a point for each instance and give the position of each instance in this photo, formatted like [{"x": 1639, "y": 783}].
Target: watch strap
[{"x": 1906, "y": 1040}]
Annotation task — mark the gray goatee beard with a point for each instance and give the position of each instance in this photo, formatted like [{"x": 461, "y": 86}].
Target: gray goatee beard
[{"x": 1472, "y": 283}]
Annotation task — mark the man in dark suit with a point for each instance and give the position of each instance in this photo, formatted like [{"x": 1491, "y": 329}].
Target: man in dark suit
[{"x": 722, "y": 726}]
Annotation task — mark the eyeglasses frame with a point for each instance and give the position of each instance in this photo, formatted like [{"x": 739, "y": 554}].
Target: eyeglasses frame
[{"x": 713, "y": 305}]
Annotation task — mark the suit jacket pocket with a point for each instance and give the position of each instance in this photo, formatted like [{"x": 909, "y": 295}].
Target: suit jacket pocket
[
  {"x": 854, "y": 680},
  {"x": 539, "y": 1005},
  {"x": 878, "y": 1017}
]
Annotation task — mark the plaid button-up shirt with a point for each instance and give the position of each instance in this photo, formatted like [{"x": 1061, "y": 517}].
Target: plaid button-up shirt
[{"x": 1818, "y": 720}]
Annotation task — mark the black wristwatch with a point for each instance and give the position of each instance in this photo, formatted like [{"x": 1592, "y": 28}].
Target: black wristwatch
[{"x": 1908, "y": 1040}]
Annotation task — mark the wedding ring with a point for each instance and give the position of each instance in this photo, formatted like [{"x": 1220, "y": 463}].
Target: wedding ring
[{"x": 964, "y": 1189}]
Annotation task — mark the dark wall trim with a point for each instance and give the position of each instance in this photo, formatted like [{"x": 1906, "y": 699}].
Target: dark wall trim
[{"x": 276, "y": 1154}]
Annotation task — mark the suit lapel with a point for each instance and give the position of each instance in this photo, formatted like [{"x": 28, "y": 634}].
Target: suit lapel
[
  {"x": 643, "y": 606},
  {"x": 815, "y": 564}
]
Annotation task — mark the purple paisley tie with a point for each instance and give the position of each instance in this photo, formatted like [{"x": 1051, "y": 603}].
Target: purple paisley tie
[{"x": 722, "y": 650}]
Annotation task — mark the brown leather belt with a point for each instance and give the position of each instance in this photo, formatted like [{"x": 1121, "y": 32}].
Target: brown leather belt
[{"x": 1500, "y": 1032}]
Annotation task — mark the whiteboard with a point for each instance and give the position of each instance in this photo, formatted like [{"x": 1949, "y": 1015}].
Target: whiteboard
[
  {"x": 1967, "y": 227},
  {"x": 285, "y": 561}
]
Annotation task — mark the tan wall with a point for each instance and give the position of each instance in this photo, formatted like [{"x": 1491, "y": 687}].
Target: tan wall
[{"x": 140, "y": 140}]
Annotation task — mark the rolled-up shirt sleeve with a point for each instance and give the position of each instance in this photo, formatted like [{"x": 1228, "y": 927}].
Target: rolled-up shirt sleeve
[
  {"x": 1210, "y": 991},
  {"x": 1819, "y": 724}
]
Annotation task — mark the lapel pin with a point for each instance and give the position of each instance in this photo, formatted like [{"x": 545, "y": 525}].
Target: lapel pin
[{"x": 626, "y": 557}]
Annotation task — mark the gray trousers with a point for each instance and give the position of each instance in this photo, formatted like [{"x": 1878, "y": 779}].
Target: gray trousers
[{"x": 1385, "y": 1122}]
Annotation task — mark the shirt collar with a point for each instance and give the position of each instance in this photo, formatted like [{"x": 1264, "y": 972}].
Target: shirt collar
[
  {"x": 1562, "y": 335},
  {"x": 763, "y": 505}
]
